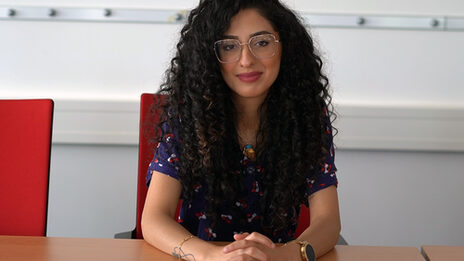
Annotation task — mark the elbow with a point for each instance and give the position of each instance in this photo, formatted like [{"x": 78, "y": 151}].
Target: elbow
[
  {"x": 333, "y": 232},
  {"x": 337, "y": 233},
  {"x": 338, "y": 227},
  {"x": 144, "y": 224}
]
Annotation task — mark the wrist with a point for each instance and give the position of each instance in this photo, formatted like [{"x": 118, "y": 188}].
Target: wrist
[
  {"x": 291, "y": 251},
  {"x": 212, "y": 253},
  {"x": 200, "y": 250}
]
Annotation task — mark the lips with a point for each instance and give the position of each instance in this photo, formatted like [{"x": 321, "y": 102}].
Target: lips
[{"x": 249, "y": 77}]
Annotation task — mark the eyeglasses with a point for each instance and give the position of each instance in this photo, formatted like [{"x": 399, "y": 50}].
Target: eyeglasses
[{"x": 261, "y": 46}]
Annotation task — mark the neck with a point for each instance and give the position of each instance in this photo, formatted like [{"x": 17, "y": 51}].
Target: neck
[{"x": 248, "y": 119}]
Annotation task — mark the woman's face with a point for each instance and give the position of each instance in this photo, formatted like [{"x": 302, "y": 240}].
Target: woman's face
[{"x": 251, "y": 77}]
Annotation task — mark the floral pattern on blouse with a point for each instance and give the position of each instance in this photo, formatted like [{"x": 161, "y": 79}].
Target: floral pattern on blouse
[{"x": 192, "y": 215}]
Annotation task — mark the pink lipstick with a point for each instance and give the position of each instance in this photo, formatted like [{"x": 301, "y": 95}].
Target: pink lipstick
[{"x": 249, "y": 77}]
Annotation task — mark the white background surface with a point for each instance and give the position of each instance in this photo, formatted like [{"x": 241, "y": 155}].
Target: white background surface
[{"x": 388, "y": 197}]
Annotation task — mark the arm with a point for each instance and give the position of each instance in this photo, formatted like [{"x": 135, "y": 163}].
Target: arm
[
  {"x": 163, "y": 232},
  {"x": 325, "y": 226},
  {"x": 158, "y": 225},
  {"x": 322, "y": 234}
]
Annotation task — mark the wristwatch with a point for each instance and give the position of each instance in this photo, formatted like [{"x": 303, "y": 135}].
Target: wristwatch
[{"x": 307, "y": 251}]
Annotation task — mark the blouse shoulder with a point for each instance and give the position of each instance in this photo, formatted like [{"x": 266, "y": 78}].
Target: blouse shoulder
[
  {"x": 166, "y": 159},
  {"x": 325, "y": 174}
]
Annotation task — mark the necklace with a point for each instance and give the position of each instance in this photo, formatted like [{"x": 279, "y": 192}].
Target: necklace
[{"x": 249, "y": 152}]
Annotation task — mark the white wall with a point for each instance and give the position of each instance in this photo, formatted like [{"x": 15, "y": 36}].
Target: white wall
[
  {"x": 401, "y": 198},
  {"x": 92, "y": 190},
  {"x": 119, "y": 61},
  {"x": 399, "y": 94}
]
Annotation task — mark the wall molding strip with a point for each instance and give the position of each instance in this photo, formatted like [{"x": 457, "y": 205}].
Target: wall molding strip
[
  {"x": 372, "y": 127},
  {"x": 92, "y": 14},
  {"x": 368, "y": 21}
]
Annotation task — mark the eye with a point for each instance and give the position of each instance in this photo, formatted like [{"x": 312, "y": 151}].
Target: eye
[
  {"x": 262, "y": 43},
  {"x": 228, "y": 47}
]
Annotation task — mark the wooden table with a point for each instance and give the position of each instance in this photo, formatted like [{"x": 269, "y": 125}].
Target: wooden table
[
  {"x": 443, "y": 253},
  {"x": 372, "y": 253},
  {"x": 13, "y": 248},
  {"x": 74, "y": 249}
]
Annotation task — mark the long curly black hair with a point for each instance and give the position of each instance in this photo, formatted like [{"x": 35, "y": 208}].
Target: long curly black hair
[{"x": 292, "y": 137}]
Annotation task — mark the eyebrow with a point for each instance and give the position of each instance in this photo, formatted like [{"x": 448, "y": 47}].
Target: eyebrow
[{"x": 251, "y": 35}]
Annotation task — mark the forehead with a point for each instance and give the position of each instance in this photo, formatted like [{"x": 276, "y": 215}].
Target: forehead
[{"x": 248, "y": 22}]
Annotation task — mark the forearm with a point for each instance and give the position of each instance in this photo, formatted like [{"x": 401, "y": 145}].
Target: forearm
[
  {"x": 322, "y": 234},
  {"x": 164, "y": 233}
]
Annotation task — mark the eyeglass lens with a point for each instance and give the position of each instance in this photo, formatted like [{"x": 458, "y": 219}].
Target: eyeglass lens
[{"x": 261, "y": 46}]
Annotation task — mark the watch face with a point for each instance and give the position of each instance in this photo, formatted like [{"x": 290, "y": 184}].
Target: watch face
[{"x": 309, "y": 252}]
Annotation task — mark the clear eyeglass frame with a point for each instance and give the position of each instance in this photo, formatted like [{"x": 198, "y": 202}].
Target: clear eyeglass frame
[{"x": 239, "y": 44}]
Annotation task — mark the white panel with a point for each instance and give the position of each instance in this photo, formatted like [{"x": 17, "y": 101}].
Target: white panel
[
  {"x": 120, "y": 61},
  {"x": 386, "y": 198},
  {"x": 361, "y": 127},
  {"x": 83, "y": 60},
  {"x": 93, "y": 190},
  {"x": 96, "y": 122},
  {"x": 401, "y": 128},
  {"x": 401, "y": 198},
  {"x": 393, "y": 66}
]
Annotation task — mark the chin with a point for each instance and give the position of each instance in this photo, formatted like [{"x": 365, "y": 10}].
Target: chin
[{"x": 250, "y": 94}]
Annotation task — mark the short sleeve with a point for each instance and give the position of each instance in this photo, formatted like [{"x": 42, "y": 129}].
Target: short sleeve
[
  {"x": 165, "y": 159},
  {"x": 326, "y": 173}
]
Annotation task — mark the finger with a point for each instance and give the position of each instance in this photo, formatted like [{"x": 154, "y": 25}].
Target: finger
[
  {"x": 232, "y": 246},
  {"x": 239, "y": 245},
  {"x": 249, "y": 253},
  {"x": 241, "y": 236},
  {"x": 257, "y": 237}
]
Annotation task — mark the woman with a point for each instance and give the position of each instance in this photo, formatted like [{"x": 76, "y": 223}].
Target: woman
[{"x": 246, "y": 138}]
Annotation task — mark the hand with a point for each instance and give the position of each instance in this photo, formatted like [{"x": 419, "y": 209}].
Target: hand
[
  {"x": 255, "y": 236},
  {"x": 254, "y": 246}
]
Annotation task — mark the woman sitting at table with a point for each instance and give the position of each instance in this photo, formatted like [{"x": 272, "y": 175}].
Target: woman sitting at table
[{"x": 245, "y": 139}]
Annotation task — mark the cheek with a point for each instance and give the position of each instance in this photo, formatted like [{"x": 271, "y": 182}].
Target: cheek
[
  {"x": 223, "y": 69},
  {"x": 226, "y": 72},
  {"x": 274, "y": 67},
  {"x": 274, "y": 63}
]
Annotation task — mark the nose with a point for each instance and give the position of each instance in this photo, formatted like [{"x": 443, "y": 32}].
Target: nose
[{"x": 246, "y": 58}]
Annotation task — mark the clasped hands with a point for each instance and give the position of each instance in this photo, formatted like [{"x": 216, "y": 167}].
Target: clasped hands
[{"x": 254, "y": 246}]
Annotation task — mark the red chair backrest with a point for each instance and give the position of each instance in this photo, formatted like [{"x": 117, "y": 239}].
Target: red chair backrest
[
  {"x": 25, "y": 144},
  {"x": 303, "y": 220},
  {"x": 148, "y": 118},
  {"x": 146, "y": 152}
]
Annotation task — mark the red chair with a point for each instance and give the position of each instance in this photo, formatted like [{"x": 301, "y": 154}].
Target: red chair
[
  {"x": 303, "y": 220},
  {"x": 25, "y": 145},
  {"x": 149, "y": 117}
]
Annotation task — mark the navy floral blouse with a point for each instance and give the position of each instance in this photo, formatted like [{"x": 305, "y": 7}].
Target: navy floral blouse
[{"x": 192, "y": 215}]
